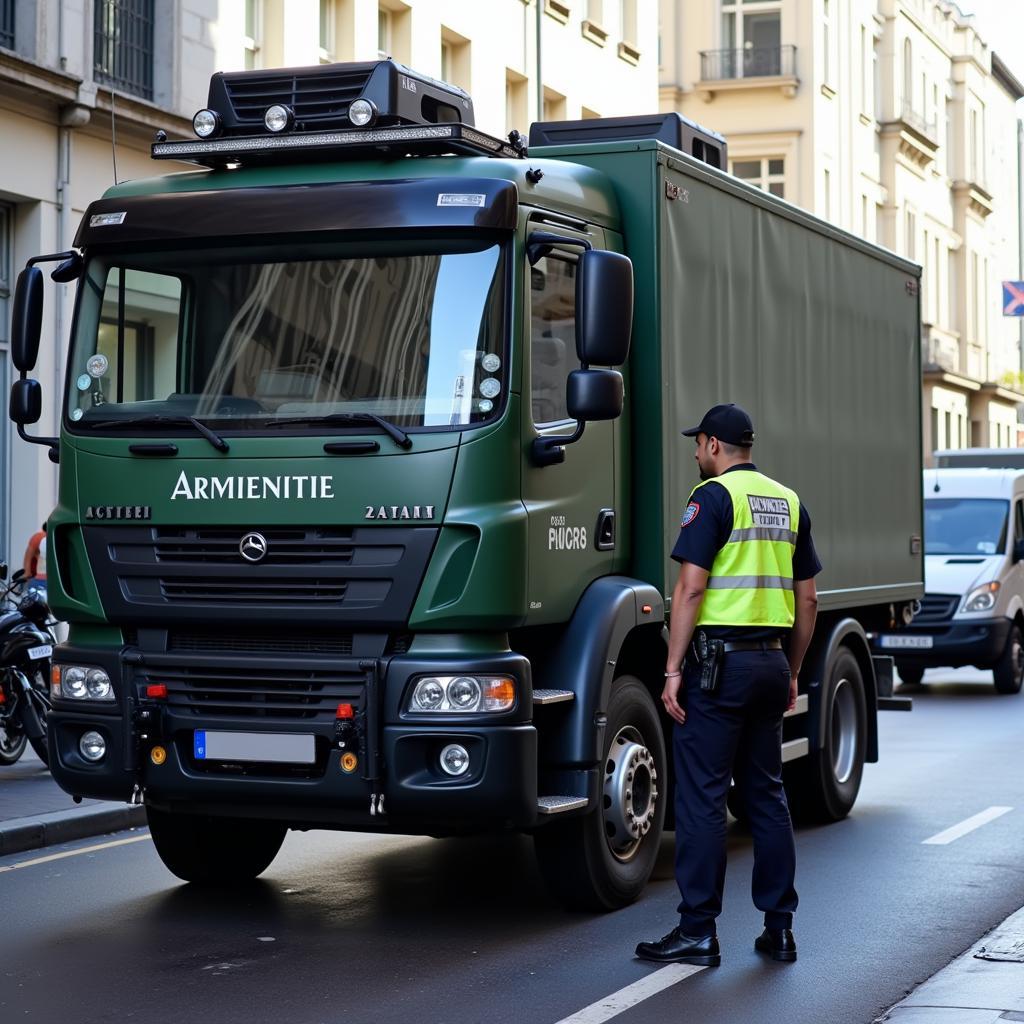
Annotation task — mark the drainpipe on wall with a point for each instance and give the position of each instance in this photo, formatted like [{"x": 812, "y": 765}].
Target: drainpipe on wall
[
  {"x": 540, "y": 80},
  {"x": 1020, "y": 231}
]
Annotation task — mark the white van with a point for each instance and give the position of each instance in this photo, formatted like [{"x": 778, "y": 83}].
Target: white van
[{"x": 973, "y": 609}]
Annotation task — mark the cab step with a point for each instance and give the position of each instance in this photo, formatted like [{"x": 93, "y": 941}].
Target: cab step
[
  {"x": 559, "y": 804},
  {"x": 552, "y": 696}
]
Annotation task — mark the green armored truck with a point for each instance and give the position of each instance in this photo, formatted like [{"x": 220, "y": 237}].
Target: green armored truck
[{"x": 370, "y": 466}]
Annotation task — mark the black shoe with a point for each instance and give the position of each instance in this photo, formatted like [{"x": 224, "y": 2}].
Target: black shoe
[
  {"x": 677, "y": 948},
  {"x": 778, "y": 943}
]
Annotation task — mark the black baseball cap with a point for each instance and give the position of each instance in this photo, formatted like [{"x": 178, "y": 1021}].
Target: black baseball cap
[{"x": 729, "y": 423}]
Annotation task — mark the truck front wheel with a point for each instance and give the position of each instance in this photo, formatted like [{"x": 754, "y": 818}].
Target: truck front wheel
[
  {"x": 214, "y": 851},
  {"x": 603, "y": 860},
  {"x": 823, "y": 786}
]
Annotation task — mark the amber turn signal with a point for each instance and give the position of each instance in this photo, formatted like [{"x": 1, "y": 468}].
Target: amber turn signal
[
  {"x": 158, "y": 755},
  {"x": 349, "y": 762}
]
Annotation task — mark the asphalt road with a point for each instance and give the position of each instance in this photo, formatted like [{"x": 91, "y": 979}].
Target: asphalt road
[{"x": 349, "y": 928}]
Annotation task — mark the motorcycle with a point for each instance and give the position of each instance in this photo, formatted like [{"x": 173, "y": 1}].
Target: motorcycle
[{"x": 26, "y": 647}]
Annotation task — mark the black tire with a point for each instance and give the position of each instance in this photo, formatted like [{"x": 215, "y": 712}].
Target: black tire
[
  {"x": 910, "y": 675},
  {"x": 214, "y": 851},
  {"x": 1008, "y": 673},
  {"x": 823, "y": 786},
  {"x": 593, "y": 862},
  {"x": 42, "y": 706},
  {"x": 12, "y": 744}
]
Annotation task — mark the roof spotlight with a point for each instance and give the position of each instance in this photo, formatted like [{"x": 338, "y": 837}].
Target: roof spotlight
[
  {"x": 362, "y": 113},
  {"x": 206, "y": 123},
  {"x": 279, "y": 118}
]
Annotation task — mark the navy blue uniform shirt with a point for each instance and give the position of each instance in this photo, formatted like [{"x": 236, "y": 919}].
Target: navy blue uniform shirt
[{"x": 704, "y": 532}]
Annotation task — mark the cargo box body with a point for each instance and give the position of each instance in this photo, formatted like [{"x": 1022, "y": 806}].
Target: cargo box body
[{"x": 741, "y": 297}]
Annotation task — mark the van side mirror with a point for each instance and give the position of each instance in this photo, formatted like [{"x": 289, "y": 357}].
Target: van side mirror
[
  {"x": 3, "y": 570},
  {"x": 604, "y": 307},
  {"x": 26, "y": 404},
  {"x": 1018, "y": 550},
  {"x": 27, "y": 319}
]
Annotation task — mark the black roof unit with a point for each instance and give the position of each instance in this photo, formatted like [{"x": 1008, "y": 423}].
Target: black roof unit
[
  {"x": 331, "y": 111},
  {"x": 673, "y": 129}
]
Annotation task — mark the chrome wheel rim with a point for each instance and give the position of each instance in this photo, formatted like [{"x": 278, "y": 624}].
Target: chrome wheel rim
[
  {"x": 844, "y": 730},
  {"x": 630, "y": 793}
]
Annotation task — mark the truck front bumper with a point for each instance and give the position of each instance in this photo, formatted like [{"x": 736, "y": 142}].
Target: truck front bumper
[
  {"x": 410, "y": 793},
  {"x": 980, "y": 643}
]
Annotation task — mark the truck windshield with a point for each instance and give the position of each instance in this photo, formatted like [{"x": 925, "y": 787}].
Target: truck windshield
[
  {"x": 965, "y": 526},
  {"x": 257, "y": 338}
]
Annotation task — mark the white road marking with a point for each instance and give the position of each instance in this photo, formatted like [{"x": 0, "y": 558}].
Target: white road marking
[
  {"x": 618, "y": 1002},
  {"x": 73, "y": 853},
  {"x": 956, "y": 831}
]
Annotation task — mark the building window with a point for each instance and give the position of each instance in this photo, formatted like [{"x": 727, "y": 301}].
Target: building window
[
  {"x": 7, "y": 23},
  {"x": 516, "y": 100},
  {"x": 751, "y": 38},
  {"x": 455, "y": 59},
  {"x": 908, "y": 75},
  {"x": 123, "y": 45},
  {"x": 385, "y": 32},
  {"x": 327, "y": 32},
  {"x": 627, "y": 26},
  {"x": 768, "y": 173},
  {"x": 554, "y": 105},
  {"x": 827, "y": 194},
  {"x": 910, "y": 234},
  {"x": 252, "y": 33},
  {"x": 826, "y": 42}
]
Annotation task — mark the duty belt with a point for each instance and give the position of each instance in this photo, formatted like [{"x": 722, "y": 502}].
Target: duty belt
[{"x": 751, "y": 645}]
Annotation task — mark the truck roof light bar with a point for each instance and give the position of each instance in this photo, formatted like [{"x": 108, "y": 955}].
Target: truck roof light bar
[{"x": 399, "y": 141}]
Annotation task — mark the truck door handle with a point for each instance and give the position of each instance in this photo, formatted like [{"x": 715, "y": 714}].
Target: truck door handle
[{"x": 605, "y": 530}]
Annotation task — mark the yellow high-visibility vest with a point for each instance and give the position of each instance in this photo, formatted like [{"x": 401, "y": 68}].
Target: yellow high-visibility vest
[{"x": 751, "y": 579}]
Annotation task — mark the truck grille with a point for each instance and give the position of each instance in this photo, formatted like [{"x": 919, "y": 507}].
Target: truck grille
[
  {"x": 334, "y": 644},
  {"x": 275, "y": 690},
  {"x": 315, "y": 578},
  {"x": 321, "y": 97},
  {"x": 936, "y": 608}
]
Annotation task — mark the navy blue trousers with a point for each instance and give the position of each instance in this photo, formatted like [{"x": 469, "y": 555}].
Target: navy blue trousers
[{"x": 735, "y": 732}]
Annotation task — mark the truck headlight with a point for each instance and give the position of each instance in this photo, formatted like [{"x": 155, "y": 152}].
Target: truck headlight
[
  {"x": 462, "y": 694},
  {"x": 982, "y": 599},
  {"x": 84, "y": 682}
]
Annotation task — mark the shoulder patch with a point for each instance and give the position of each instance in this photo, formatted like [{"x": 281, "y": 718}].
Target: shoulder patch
[{"x": 690, "y": 514}]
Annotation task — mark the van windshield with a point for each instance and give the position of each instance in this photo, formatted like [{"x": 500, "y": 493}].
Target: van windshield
[
  {"x": 965, "y": 526},
  {"x": 256, "y": 338}
]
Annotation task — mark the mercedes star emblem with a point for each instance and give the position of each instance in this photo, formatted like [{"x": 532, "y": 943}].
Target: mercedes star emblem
[{"x": 253, "y": 547}]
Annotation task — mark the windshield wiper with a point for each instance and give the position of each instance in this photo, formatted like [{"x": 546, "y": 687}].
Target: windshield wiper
[
  {"x": 399, "y": 436},
  {"x": 216, "y": 440}
]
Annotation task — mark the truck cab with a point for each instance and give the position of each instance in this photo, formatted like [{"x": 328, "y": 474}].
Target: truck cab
[{"x": 370, "y": 468}]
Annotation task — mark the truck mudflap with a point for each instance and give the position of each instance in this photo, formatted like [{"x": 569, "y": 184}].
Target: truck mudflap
[{"x": 885, "y": 667}]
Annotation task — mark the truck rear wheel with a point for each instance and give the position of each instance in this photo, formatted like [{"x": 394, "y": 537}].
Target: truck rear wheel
[
  {"x": 1009, "y": 669},
  {"x": 823, "y": 786},
  {"x": 214, "y": 851},
  {"x": 603, "y": 860}
]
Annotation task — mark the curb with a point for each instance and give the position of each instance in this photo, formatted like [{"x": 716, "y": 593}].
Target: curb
[{"x": 39, "y": 830}]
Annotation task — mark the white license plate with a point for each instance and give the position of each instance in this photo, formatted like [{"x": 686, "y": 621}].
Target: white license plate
[
  {"x": 263, "y": 747},
  {"x": 38, "y": 653},
  {"x": 908, "y": 643}
]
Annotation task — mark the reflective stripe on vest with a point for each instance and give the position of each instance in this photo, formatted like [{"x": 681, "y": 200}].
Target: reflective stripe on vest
[{"x": 751, "y": 580}]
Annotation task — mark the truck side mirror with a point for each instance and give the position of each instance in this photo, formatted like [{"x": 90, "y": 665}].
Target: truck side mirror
[
  {"x": 27, "y": 320},
  {"x": 604, "y": 307},
  {"x": 26, "y": 401},
  {"x": 594, "y": 395}
]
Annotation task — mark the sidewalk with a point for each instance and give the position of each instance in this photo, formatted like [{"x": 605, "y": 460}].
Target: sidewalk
[
  {"x": 36, "y": 812},
  {"x": 985, "y": 985}
]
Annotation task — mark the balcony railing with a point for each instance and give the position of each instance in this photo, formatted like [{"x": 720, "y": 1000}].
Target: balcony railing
[
  {"x": 123, "y": 45},
  {"x": 751, "y": 62},
  {"x": 919, "y": 122},
  {"x": 7, "y": 24}
]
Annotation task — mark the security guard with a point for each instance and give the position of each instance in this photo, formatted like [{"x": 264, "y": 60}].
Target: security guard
[{"x": 746, "y": 583}]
